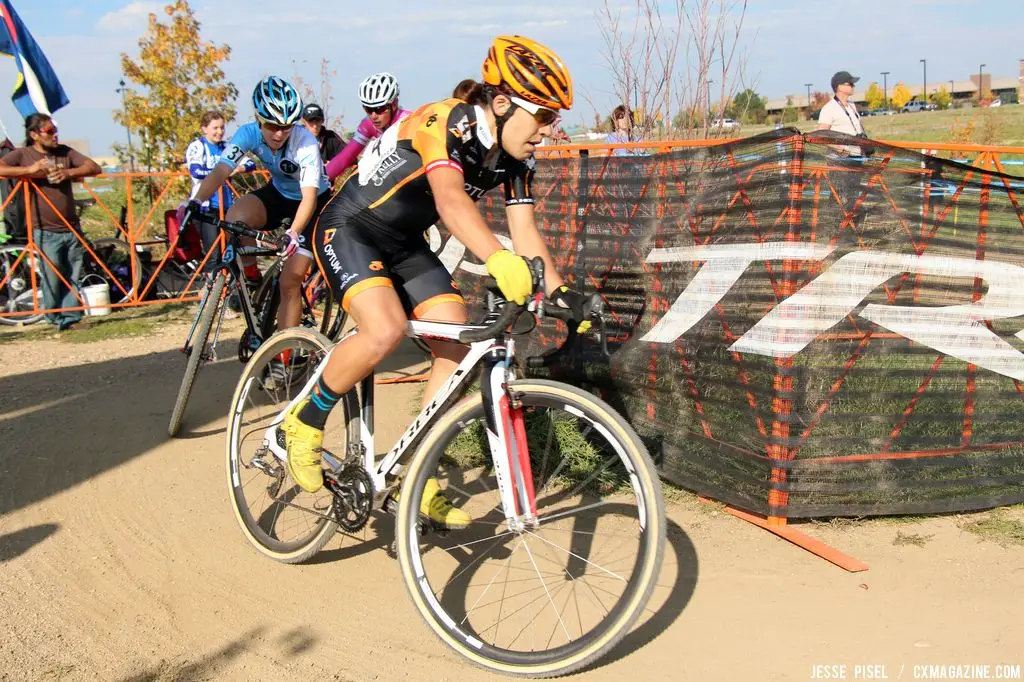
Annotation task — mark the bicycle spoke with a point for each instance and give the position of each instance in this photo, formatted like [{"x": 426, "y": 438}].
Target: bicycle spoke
[
  {"x": 577, "y": 556},
  {"x": 565, "y": 630},
  {"x": 491, "y": 582}
]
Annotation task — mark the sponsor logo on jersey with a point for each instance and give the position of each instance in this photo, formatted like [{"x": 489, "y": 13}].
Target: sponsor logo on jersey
[
  {"x": 462, "y": 129},
  {"x": 376, "y": 265},
  {"x": 388, "y": 165},
  {"x": 329, "y": 234}
]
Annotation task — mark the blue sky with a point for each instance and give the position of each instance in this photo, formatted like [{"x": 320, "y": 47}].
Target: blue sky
[{"x": 431, "y": 46}]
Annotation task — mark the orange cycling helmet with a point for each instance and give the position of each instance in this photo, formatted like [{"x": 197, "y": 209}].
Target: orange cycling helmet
[{"x": 527, "y": 69}]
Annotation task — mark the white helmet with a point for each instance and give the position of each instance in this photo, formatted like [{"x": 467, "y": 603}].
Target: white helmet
[{"x": 378, "y": 90}]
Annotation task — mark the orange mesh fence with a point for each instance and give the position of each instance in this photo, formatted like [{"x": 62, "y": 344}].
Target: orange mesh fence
[{"x": 122, "y": 230}]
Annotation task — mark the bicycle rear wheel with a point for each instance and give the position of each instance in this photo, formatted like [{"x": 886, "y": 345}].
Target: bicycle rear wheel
[
  {"x": 548, "y": 599},
  {"x": 197, "y": 351},
  {"x": 277, "y": 517}
]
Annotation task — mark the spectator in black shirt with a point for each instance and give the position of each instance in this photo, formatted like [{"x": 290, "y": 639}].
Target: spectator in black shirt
[{"x": 330, "y": 142}]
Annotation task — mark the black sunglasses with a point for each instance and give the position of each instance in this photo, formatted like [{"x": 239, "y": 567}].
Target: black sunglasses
[{"x": 377, "y": 110}]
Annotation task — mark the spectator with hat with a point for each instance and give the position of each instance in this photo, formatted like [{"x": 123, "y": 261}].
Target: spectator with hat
[
  {"x": 840, "y": 114},
  {"x": 330, "y": 142},
  {"x": 847, "y": 161}
]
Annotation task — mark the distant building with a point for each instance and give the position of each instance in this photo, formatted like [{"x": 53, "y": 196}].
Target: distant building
[{"x": 1006, "y": 89}]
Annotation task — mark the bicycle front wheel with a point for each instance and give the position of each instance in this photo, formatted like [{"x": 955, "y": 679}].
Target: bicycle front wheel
[
  {"x": 552, "y": 597},
  {"x": 197, "y": 350}
]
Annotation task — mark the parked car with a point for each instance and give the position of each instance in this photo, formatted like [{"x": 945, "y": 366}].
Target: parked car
[
  {"x": 726, "y": 124},
  {"x": 884, "y": 112},
  {"x": 917, "y": 105}
]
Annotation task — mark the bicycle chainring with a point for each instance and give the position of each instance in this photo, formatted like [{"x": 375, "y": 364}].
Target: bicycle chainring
[
  {"x": 247, "y": 345},
  {"x": 352, "y": 489}
]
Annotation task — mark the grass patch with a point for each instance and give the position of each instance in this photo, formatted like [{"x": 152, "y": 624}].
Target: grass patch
[
  {"x": 997, "y": 527},
  {"x": 125, "y": 323},
  {"x": 112, "y": 329},
  {"x": 914, "y": 539},
  {"x": 557, "y": 449}
]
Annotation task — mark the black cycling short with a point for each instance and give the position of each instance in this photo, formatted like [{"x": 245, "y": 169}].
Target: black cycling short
[
  {"x": 353, "y": 262},
  {"x": 280, "y": 208}
]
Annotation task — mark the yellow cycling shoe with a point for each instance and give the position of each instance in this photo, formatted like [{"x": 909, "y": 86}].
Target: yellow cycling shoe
[
  {"x": 435, "y": 505},
  {"x": 304, "y": 443}
]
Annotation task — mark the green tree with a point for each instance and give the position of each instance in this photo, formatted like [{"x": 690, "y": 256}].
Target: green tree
[
  {"x": 942, "y": 98},
  {"x": 179, "y": 76},
  {"x": 875, "y": 97},
  {"x": 747, "y": 107},
  {"x": 900, "y": 95}
]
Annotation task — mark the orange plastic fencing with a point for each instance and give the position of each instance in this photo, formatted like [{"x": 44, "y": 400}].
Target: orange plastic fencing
[{"x": 121, "y": 228}]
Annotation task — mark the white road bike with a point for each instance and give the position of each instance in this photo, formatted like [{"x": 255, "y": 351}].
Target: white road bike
[{"x": 568, "y": 527}]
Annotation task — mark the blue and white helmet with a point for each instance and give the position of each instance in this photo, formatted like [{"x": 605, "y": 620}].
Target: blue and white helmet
[
  {"x": 276, "y": 101},
  {"x": 378, "y": 90}
]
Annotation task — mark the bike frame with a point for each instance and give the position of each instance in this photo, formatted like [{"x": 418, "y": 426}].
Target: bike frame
[
  {"x": 506, "y": 433},
  {"x": 231, "y": 260}
]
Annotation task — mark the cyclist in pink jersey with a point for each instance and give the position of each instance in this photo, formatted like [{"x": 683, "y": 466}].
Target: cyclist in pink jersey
[{"x": 379, "y": 96}]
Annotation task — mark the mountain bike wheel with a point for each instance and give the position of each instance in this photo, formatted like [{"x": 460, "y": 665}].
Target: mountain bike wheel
[
  {"x": 16, "y": 285},
  {"x": 473, "y": 586},
  {"x": 196, "y": 354},
  {"x": 277, "y": 517}
]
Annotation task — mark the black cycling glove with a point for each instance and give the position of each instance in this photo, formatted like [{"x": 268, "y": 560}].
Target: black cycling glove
[{"x": 567, "y": 298}]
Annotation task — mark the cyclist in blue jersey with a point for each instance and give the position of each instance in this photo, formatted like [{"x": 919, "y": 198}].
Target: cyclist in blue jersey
[
  {"x": 202, "y": 155},
  {"x": 297, "y": 189}
]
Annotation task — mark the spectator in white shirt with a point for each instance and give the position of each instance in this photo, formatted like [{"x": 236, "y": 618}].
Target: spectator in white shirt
[{"x": 840, "y": 114}]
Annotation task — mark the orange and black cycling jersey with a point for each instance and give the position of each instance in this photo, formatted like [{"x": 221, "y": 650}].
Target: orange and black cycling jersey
[{"x": 389, "y": 193}]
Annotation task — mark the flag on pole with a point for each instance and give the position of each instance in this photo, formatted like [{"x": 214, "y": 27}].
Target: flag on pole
[{"x": 37, "y": 88}]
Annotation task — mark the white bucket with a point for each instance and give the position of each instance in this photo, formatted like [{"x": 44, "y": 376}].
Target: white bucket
[{"x": 97, "y": 297}]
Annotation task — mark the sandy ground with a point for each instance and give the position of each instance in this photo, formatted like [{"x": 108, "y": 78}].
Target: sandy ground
[{"x": 121, "y": 560}]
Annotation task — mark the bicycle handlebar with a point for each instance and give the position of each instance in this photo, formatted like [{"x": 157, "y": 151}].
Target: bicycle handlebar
[
  {"x": 593, "y": 311},
  {"x": 236, "y": 228}
]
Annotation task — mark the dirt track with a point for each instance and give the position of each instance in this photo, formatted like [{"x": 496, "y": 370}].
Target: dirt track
[{"x": 121, "y": 560}]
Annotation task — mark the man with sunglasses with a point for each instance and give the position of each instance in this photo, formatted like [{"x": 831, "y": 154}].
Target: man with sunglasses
[
  {"x": 846, "y": 160},
  {"x": 437, "y": 163},
  {"x": 379, "y": 96},
  {"x": 297, "y": 187},
  {"x": 52, "y": 167}
]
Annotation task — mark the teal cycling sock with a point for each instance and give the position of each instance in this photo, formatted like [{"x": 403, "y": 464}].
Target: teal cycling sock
[{"x": 321, "y": 401}]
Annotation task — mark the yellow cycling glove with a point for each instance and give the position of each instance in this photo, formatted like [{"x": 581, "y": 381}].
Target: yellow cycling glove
[{"x": 512, "y": 275}]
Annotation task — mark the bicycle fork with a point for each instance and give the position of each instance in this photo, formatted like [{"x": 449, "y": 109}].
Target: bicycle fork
[{"x": 506, "y": 436}]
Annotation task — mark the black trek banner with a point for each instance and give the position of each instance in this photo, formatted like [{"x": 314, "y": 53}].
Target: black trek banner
[{"x": 800, "y": 325}]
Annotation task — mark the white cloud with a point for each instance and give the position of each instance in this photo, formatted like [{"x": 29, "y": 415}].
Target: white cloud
[{"x": 134, "y": 15}]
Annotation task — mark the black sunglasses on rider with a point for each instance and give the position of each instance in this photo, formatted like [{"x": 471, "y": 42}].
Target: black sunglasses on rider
[{"x": 377, "y": 110}]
